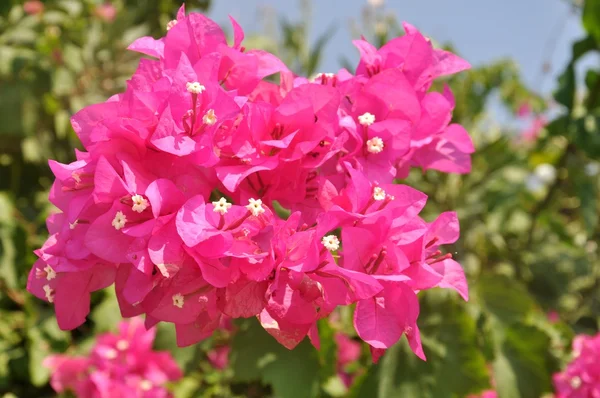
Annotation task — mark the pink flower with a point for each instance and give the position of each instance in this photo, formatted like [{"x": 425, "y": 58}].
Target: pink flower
[
  {"x": 33, "y": 7},
  {"x": 553, "y": 316},
  {"x": 524, "y": 109},
  {"x": 119, "y": 365},
  {"x": 533, "y": 131},
  {"x": 486, "y": 394},
  {"x": 219, "y": 357},
  {"x": 208, "y": 193},
  {"x": 106, "y": 12},
  {"x": 581, "y": 378},
  {"x": 348, "y": 352}
]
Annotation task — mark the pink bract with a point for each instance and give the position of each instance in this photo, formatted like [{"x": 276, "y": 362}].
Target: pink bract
[
  {"x": 120, "y": 365},
  {"x": 581, "y": 378},
  {"x": 182, "y": 194}
]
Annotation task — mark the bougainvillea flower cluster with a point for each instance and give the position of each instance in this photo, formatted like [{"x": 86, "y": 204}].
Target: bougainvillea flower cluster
[
  {"x": 581, "y": 378},
  {"x": 119, "y": 365},
  {"x": 221, "y": 185}
]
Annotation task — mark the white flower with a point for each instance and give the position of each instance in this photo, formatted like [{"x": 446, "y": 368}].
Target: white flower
[
  {"x": 122, "y": 345},
  {"x": 366, "y": 119},
  {"x": 319, "y": 76},
  {"x": 546, "y": 172},
  {"x": 171, "y": 24},
  {"x": 146, "y": 385},
  {"x": 209, "y": 117},
  {"x": 331, "y": 242},
  {"x": 375, "y": 145},
  {"x": 50, "y": 273},
  {"x": 139, "y": 203},
  {"x": 49, "y": 293},
  {"x": 378, "y": 193},
  {"x": 221, "y": 206},
  {"x": 178, "y": 300},
  {"x": 575, "y": 382},
  {"x": 194, "y": 87},
  {"x": 255, "y": 207},
  {"x": 592, "y": 169},
  {"x": 119, "y": 221},
  {"x": 110, "y": 354}
]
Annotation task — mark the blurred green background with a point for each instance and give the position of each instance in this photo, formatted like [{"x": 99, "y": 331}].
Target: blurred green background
[{"x": 528, "y": 212}]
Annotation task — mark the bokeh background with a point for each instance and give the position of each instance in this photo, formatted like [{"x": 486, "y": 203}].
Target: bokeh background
[{"x": 528, "y": 211}]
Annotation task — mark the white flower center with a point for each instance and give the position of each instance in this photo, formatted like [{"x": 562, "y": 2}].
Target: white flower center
[
  {"x": 255, "y": 207},
  {"x": 178, "y": 300},
  {"x": 111, "y": 354},
  {"x": 378, "y": 193},
  {"x": 49, "y": 293},
  {"x": 319, "y": 76},
  {"x": 575, "y": 382},
  {"x": 50, "y": 273},
  {"x": 366, "y": 119},
  {"x": 139, "y": 203},
  {"x": 194, "y": 87},
  {"x": 331, "y": 242},
  {"x": 119, "y": 221},
  {"x": 122, "y": 345},
  {"x": 375, "y": 145},
  {"x": 145, "y": 385},
  {"x": 209, "y": 117},
  {"x": 171, "y": 24},
  {"x": 221, "y": 206}
]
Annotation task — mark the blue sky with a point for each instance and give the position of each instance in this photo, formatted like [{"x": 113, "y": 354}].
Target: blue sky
[{"x": 480, "y": 30}]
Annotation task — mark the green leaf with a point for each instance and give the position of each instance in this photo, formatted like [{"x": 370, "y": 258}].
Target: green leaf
[
  {"x": 166, "y": 339},
  {"x": 523, "y": 366},
  {"x": 106, "y": 315},
  {"x": 503, "y": 298},
  {"x": 256, "y": 355},
  {"x": 565, "y": 94},
  {"x": 39, "y": 349},
  {"x": 591, "y": 18}
]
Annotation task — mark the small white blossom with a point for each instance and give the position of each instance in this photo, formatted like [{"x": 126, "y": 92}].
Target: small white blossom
[
  {"x": 49, "y": 293},
  {"x": 171, "y": 24},
  {"x": 318, "y": 76},
  {"x": 375, "y": 145},
  {"x": 546, "y": 172},
  {"x": 331, "y": 242},
  {"x": 378, "y": 193},
  {"x": 575, "y": 382},
  {"x": 209, "y": 117},
  {"x": 146, "y": 385},
  {"x": 366, "y": 119},
  {"x": 122, "y": 345},
  {"x": 255, "y": 207},
  {"x": 592, "y": 169},
  {"x": 178, "y": 300},
  {"x": 194, "y": 87},
  {"x": 221, "y": 206},
  {"x": 110, "y": 354},
  {"x": 119, "y": 221},
  {"x": 139, "y": 203},
  {"x": 50, "y": 273}
]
